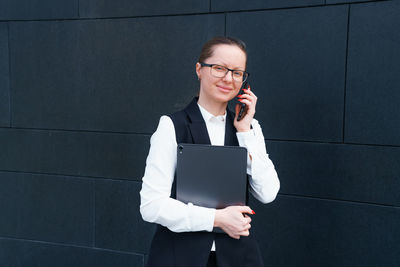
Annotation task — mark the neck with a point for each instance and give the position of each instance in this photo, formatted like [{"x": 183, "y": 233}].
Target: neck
[{"x": 214, "y": 107}]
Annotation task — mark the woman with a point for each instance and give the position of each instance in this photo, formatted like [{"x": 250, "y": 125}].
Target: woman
[{"x": 184, "y": 234}]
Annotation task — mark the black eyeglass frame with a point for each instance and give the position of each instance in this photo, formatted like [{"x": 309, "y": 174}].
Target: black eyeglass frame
[{"x": 228, "y": 69}]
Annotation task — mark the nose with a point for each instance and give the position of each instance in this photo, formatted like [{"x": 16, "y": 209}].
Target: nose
[{"x": 228, "y": 76}]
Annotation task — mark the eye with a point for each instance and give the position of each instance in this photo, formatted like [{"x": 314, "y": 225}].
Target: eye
[
  {"x": 219, "y": 68},
  {"x": 238, "y": 73}
]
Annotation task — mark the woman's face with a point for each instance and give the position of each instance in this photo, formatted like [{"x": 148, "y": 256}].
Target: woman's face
[{"x": 223, "y": 89}]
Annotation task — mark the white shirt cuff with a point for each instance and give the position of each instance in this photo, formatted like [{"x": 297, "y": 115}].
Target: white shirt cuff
[{"x": 201, "y": 218}]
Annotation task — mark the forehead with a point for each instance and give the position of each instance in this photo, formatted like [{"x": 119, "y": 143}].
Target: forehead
[{"x": 228, "y": 55}]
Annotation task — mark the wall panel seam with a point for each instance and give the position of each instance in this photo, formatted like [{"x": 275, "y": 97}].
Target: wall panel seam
[
  {"x": 70, "y": 245},
  {"x": 79, "y": 7},
  {"x": 345, "y": 73},
  {"x": 94, "y": 212},
  {"x": 176, "y": 14},
  {"x": 149, "y": 135},
  {"x": 185, "y": 14},
  {"x": 356, "y": 2},
  {"x": 117, "y": 18},
  {"x": 77, "y": 131},
  {"x": 225, "y": 15},
  {"x": 73, "y": 176},
  {"x": 331, "y": 143},
  {"x": 9, "y": 76},
  {"x": 341, "y": 200}
]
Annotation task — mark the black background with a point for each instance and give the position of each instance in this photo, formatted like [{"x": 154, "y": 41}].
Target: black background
[{"x": 83, "y": 84}]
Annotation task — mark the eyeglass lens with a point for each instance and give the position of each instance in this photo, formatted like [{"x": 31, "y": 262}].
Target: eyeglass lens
[{"x": 221, "y": 71}]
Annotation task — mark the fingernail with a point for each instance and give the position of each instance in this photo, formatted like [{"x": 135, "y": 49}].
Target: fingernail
[
  {"x": 252, "y": 212},
  {"x": 240, "y": 100},
  {"x": 240, "y": 95}
]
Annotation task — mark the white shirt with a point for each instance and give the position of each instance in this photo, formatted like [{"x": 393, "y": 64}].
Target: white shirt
[{"x": 157, "y": 206}]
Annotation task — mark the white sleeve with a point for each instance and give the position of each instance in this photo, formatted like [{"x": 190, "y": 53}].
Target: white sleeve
[
  {"x": 156, "y": 205},
  {"x": 264, "y": 182}
]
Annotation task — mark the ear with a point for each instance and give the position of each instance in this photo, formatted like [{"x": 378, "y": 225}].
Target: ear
[{"x": 198, "y": 68}]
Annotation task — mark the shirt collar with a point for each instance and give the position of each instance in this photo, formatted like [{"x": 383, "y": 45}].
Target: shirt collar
[{"x": 208, "y": 116}]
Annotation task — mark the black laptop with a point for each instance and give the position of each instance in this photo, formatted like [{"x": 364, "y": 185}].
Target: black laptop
[{"x": 211, "y": 176}]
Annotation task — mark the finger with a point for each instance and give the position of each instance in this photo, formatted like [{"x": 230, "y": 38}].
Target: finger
[
  {"x": 247, "y": 96},
  {"x": 250, "y": 93},
  {"x": 234, "y": 236},
  {"x": 248, "y": 220},
  {"x": 245, "y": 227},
  {"x": 245, "y": 209},
  {"x": 237, "y": 109},
  {"x": 245, "y": 233},
  {"x": 246, "y": 101},
  {"x": 251, "y": 212},
  {"x": 249, "y": 102},
  {"x": 251, "y": 107}
]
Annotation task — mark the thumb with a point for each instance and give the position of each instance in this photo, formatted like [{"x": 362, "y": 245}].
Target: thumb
[{"x": 246, "y": 209}]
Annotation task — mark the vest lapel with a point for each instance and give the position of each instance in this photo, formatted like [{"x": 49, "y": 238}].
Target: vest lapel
[
  {"x": 198, "y": 128},
  {"x": 230, "y": 130},
  {"x": 197, "y": 125}
]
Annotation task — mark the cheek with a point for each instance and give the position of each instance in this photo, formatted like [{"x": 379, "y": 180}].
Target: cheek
[
  {"x": 211, "y": 80},
  {"x": 237, "y": 88},
  {"x": 207, "y": 82}
]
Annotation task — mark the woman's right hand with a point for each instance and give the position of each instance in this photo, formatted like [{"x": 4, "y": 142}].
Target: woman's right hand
[{"x": 233, "y": 221}]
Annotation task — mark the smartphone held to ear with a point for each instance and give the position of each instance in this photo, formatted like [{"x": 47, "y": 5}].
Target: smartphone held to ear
[{"x": 242, "y": 110}]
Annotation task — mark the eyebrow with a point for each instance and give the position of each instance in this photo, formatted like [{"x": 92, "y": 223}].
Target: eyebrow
[{"x": 225, "y": 65}]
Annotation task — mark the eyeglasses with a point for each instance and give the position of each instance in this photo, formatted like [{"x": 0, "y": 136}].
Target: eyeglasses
[{"x": 219, "y": 71}]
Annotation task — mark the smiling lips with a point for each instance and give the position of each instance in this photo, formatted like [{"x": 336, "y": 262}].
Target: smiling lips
[{"x": 224, "y": 88}]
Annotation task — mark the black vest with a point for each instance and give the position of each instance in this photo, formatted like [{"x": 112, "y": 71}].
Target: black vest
[{"x": 191, "y": 249}]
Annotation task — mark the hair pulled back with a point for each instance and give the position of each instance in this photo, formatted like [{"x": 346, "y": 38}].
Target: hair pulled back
[{"x": 208, "y": 48}]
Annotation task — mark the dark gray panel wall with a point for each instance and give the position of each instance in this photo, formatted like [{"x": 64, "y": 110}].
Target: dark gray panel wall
[
  {"x": 16, "y": 253},
  {"x": 38, "y": 9},
  {"x": 74, "y": 153},
  {"x": 119, "y": 225},
  {"x": 124, "y": 8},
  {"x": 298, "y": 231},
  {"x": 372, "y": 99},
  {"x": 345, "y": 1},
  {"x": 336, "y": 171},
  {"x": 69, "y": 81},
  {"x": 297, "y": 60},
  {"x": 227, "y": 5},
  {"x": 4, "y": 77},
  {"x": 88, "y": 81},
  {"x": 46, "y": 207}
]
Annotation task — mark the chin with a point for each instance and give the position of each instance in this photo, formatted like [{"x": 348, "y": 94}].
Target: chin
[
  {"x": 225, "y": 98},
  {"x": 220, "y": 97}
]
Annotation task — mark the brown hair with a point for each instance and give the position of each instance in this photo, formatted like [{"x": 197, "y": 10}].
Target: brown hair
[{"x": 208, "y": 48}]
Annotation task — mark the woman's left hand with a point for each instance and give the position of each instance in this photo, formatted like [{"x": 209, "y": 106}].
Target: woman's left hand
[{"x": 250, "y": 99}]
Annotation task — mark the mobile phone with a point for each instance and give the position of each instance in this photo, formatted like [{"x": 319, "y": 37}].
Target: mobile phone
[{"x": 245, "y": 85}]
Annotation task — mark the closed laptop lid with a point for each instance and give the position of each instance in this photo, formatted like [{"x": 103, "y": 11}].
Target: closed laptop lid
[{"x": 211, "y": 176}]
